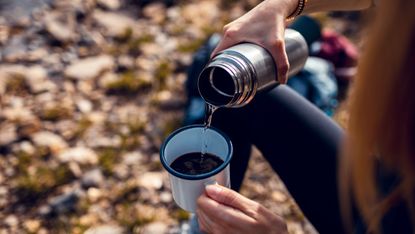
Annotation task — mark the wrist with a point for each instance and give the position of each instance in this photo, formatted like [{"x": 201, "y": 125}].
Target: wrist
[{"x": 281, "y": 7}]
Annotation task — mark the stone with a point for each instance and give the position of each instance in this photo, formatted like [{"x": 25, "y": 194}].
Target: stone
[
  {"x": 54, "y": 142},
  {"x": 27, "y": 147},
  {"x": 11, "y": 221},
  {"x": 156, "y": 12},
  {"x": 32, "y": 225},
  {"x": 278, "y": 196},
  {"x": 66, "y": 128},
  {"x": 166, "y": 197},
  {"x": 34, "y": 76},
  {"x": 105, "y": 229},
  {"x": 133, "y": 158},
  {"x": 110, "y": 4},
  {"x": 15, "y": 50},
  {"x": 64, "y": 203},
  {"x": 106, "y": 79},
  {"x": 7, "y": 134},
  {"x": 84, "y": 105},
  {"x": 125, "y": 62},
  {"x": 81, "y": 155},
  {"x": 92, "y": 178},
  {"x": 37, "y": 80},
  {"x": 155, "y": 227},
  {"x": 89, "y": 68},
  {"x": 151, "y": 180},
  {"x": 115, "y": 24},
  {"x": 60, "y": 31},
  {"x": 94, "y": 194},
  {"x": 166, "y": 100}
]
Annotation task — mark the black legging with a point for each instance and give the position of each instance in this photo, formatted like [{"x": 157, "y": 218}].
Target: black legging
[{"x": 298, "y": 140}]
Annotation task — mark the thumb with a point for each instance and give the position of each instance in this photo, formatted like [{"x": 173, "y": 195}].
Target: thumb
[{"x": 229, "y": 197}]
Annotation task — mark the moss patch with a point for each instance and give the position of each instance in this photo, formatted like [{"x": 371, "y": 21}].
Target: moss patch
[{"x": 128, "y": 84}]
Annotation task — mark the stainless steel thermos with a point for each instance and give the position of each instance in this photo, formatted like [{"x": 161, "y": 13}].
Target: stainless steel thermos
[{"x": 235, "y": 75}]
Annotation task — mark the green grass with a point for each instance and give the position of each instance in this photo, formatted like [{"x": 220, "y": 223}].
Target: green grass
[
  {"x": 128, "y": 84},
  {"x": 55, "y": 113}
]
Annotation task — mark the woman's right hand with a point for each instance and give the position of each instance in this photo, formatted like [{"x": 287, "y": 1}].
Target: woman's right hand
[{"x": 264, "y": 25}]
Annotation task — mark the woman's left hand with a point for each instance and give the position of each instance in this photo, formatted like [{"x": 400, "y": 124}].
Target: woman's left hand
[{"x": 221, "y": 210}]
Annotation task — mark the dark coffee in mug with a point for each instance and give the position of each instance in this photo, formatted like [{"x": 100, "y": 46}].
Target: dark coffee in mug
[{"x": 195, "y": 163}]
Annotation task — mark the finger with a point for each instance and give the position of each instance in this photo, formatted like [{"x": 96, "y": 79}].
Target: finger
[
  {"x": 221, "y": 213},
  {"x": 231, "y": 198},
  {"x": 282, "y": 62},
  {"x": 205, "y": 224},
  {"x": 227, "y": 41},
  {"x": 279, "y": 54}
]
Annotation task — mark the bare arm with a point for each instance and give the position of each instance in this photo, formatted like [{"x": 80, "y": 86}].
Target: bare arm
[
  {"x": 265, "y": 24},
  {"x": 336, "y": 5}
]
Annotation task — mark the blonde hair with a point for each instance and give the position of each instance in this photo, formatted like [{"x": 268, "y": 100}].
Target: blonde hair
[{"x": 381, "y": 128}]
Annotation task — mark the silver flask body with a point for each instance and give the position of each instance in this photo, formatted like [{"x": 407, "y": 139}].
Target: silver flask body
[{"x": 235, "y": 75}]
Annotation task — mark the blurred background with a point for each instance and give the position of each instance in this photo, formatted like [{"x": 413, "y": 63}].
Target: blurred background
[{"x": 90, "y": 88}]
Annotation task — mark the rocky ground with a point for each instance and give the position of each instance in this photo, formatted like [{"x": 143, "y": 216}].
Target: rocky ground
[{"x": 88, "y": 90}]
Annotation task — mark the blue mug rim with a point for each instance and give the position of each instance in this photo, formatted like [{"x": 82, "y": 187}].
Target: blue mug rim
[{"x": 199, "y": 176}]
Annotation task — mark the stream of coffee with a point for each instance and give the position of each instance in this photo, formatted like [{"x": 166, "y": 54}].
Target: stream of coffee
[{"x": 210, "y": 109}]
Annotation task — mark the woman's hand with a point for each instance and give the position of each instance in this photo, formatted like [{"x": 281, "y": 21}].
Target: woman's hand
[
  {"x": 264, "y": 25},
  {"x": 221, "y": 210}
]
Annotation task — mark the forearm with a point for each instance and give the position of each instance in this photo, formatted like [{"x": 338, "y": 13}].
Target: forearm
[
  {"x": 335, "y": 5},
  {"x": 287, "y": 7}
]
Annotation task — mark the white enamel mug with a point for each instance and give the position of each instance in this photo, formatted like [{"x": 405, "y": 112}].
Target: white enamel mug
[{"x": 187, "y": 188}]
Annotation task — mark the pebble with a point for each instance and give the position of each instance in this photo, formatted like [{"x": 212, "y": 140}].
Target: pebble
[
  {"x": 81, "y": 155},
  {"x": 64, "y": 203},
  {"x": 32, "y": 225},
  {"x": 92, "y": 178},
  {"x": 105, "y": 229},
  {"x": 7, "y": 134},
  {"x": 51, "y": 140},
  {"x": 154, "y": 228},
  {"x": 89, "y": 68},
  {"x": 110, "y": 4},
  {"x": 115, "y": 24},
  {"x": 11, "y": 221},
  {"x": 151, "y": 180},
  {"x": 61, "y": 32}
]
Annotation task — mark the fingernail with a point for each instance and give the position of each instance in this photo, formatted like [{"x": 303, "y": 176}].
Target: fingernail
[{"x": 213, "y": 189}]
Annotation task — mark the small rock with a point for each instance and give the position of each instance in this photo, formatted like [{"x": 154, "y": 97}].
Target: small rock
[
  {"x": 11, "y": 221},
  {"x": 133, "y": 158},
  {"x": 92, "y": 178},
  {"x": 32, "y": 225},
  {"x": 125, "y": 62},
  {"x": 151, "y": 180},
  {"x": 278, "y": 196},
  {"x": 155, "y": 227},
  {"x": 116, "y": 24},
  {"x": 166, "y": 197},
  {"x": 64, "y": 203},
  {"x": 105, "y": 229},
  {"x": 110, "y": 4},
  {"x": 36, "y": 78},
  {"x": 61, "y": 32},
  {"x": 89, "y": 68},
  {"x": 81, "y": 155},
  {"x": 27, "y": 147},
  {"x": 15, "y": 50},
  {"x": 54, "y": 142},
  {"x": 107, "y": 79},
  {"x": 166, "y": 100},
  {"x": 94, "y": 194},
  {"x": 66, "y": 128},
  {"x": 84, "y": 105},
  {"x": 156, "y": 12},
  {"x": 7, "y": 134}
]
